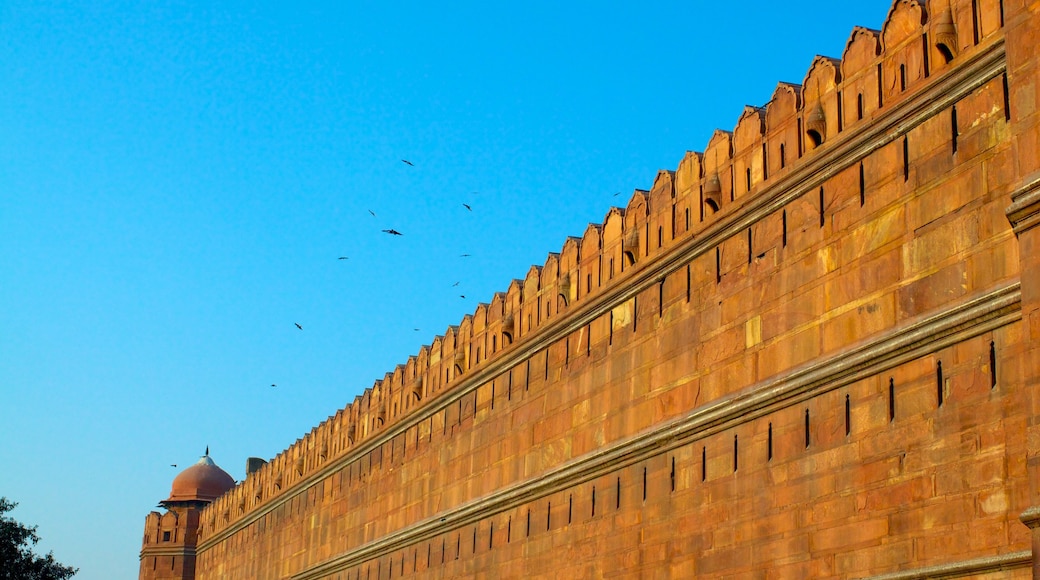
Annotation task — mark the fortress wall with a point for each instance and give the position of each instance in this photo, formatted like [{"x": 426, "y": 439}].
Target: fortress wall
[{"x": 700, "y": 295}]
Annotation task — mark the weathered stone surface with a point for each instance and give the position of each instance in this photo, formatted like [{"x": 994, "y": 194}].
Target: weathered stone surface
[{"x": 670, "y": 399}]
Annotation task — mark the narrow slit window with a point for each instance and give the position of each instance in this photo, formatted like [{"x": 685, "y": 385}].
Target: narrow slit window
[
  {"x": 644, "y": 484},
  {"x": 974, "y": 21},
  {"x": 939, "y": 384},
  {"x": 594, "y": 501},
  {"x": 862, "y": 186},
  {"x": 732, "y": 182},
  {"x": 765, "y": 162},
  {"x": 749, "y": 250},
  {"x": 783, "y": 156},
  {"x": 570, "y": 508},
  {"x": 718, "y": 265},
  {"x": 783, "y": 233},
  {"x": 735, "y": 443},
  {"x": 1007, "y": 98},
  {"x": 906, "y": 159},
  {"x": 548, "y": 516},
  {"x": 848, "y": 416},
  {"x": 672, "y": 475},
  {"x": 925, "y": 50},
  {"x": 891, "y": 399},
  {"x": 841, "y": 112},
  {"x": 992, "y": 365},
  {"x": 823, "y": 217},
  {"x": 902, "y": 77},
  {"x": 617, "y": 494},
  {"x": 953, "y": 128},
  {"x": 704, "y": 463},
  {"x": 807, "y": 429},
  {"x": 635, "y": 312},
  {"x": 880, "y": 88},
  {"x": 702, "y": 202},
  {"x": 801, "y": 145},
  {"x": 689, "y": 281},
  {"x": 747, "y": 178},
  {"x": 769, "y": 443},
  {"x": 859, "y": 107}
]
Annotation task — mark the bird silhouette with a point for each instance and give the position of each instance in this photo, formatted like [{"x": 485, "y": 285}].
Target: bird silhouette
[
  {"x": 617, "y": 194},
  {"x": 464, "y": 255},
  {"x": 408, "y": 162},
  {"x": 173, "y": 465},
  {"x": 455, "y": 284},
  {"x": 343, "y": 258},
  {"x": 273, "y": 385},
  {"x": 393, "y": 232},
  {"x": 462, "y": 295},
  {"x": 416, "y": 329},
  {"x": 466, "y": 205},
  {"x": 372, "y": 212},
  {"x": 298, "y": 325}
]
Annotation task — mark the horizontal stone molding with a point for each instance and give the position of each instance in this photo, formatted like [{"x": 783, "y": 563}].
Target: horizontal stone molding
[
  {"x": 153, "y": 551},
  {"x": 1024, "y": 211},
  {"x": 902, "y": 344},
  {"x": 839, "y": 153},
  {"x": 985, "y": 565}
]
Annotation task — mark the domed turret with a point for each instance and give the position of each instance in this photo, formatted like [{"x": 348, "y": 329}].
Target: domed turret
[{"x": 203, "y": 481}]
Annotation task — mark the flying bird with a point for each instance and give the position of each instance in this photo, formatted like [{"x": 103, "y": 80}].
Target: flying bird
[
  {"x": 372, "y": 212},
  {"x": 173, "y": 465},
  {"x": 393, "y": 232},
  {"x": 408, "y": 162},
  {"x": 462, "y": 296},
  {"x": 464, "y": 255},
  {"x": 466, "y": 205},
  {"x": 416, "y": 329},
  {"x": 617, "y": 194},
  {"x": 273, "y": 385},
  {"x": 298, "y": 325},
  {"x": 455, "y": 284},
  {"x": 343, "y": 258}
]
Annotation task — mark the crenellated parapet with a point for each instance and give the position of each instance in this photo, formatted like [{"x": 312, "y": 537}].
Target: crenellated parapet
[{"x": 877, "y": 71}]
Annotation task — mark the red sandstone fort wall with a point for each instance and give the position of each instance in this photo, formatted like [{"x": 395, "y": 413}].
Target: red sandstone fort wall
[{"x": 800, "y": 354}]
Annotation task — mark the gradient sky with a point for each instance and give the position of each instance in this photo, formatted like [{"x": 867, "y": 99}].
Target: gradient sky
[{"x": 179, "y": 179}]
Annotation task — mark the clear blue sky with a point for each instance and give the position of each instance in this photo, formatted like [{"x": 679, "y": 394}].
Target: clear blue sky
[{"x": 179, "y": 179}]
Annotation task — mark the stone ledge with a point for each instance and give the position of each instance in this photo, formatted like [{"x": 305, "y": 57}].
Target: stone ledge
[
  {"x": 1024, "y": 211},
  {"x": 985, "y": 565}
]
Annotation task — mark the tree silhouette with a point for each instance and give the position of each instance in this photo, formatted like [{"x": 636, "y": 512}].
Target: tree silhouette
[{"x": 17, "y": 560}]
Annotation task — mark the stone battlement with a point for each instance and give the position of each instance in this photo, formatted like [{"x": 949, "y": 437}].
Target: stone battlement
[{"x": 845, "y": 243}]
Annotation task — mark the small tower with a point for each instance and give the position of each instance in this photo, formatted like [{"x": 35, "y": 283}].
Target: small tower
[{"x": 168, "y": 549}]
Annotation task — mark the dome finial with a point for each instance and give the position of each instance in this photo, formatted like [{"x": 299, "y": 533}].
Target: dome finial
[{"x": 207, "y": 451}]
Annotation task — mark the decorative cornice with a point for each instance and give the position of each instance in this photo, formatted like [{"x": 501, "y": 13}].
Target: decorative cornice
[
  {"x": 908, "y": 342},
  {"x": 1024, "y": 211},
  {"x": 841, "y": 152},
  {"x": 151, "y": 551},
  {"x": 974, "y": 567},
  {"x": 1031, "y": 517}
]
